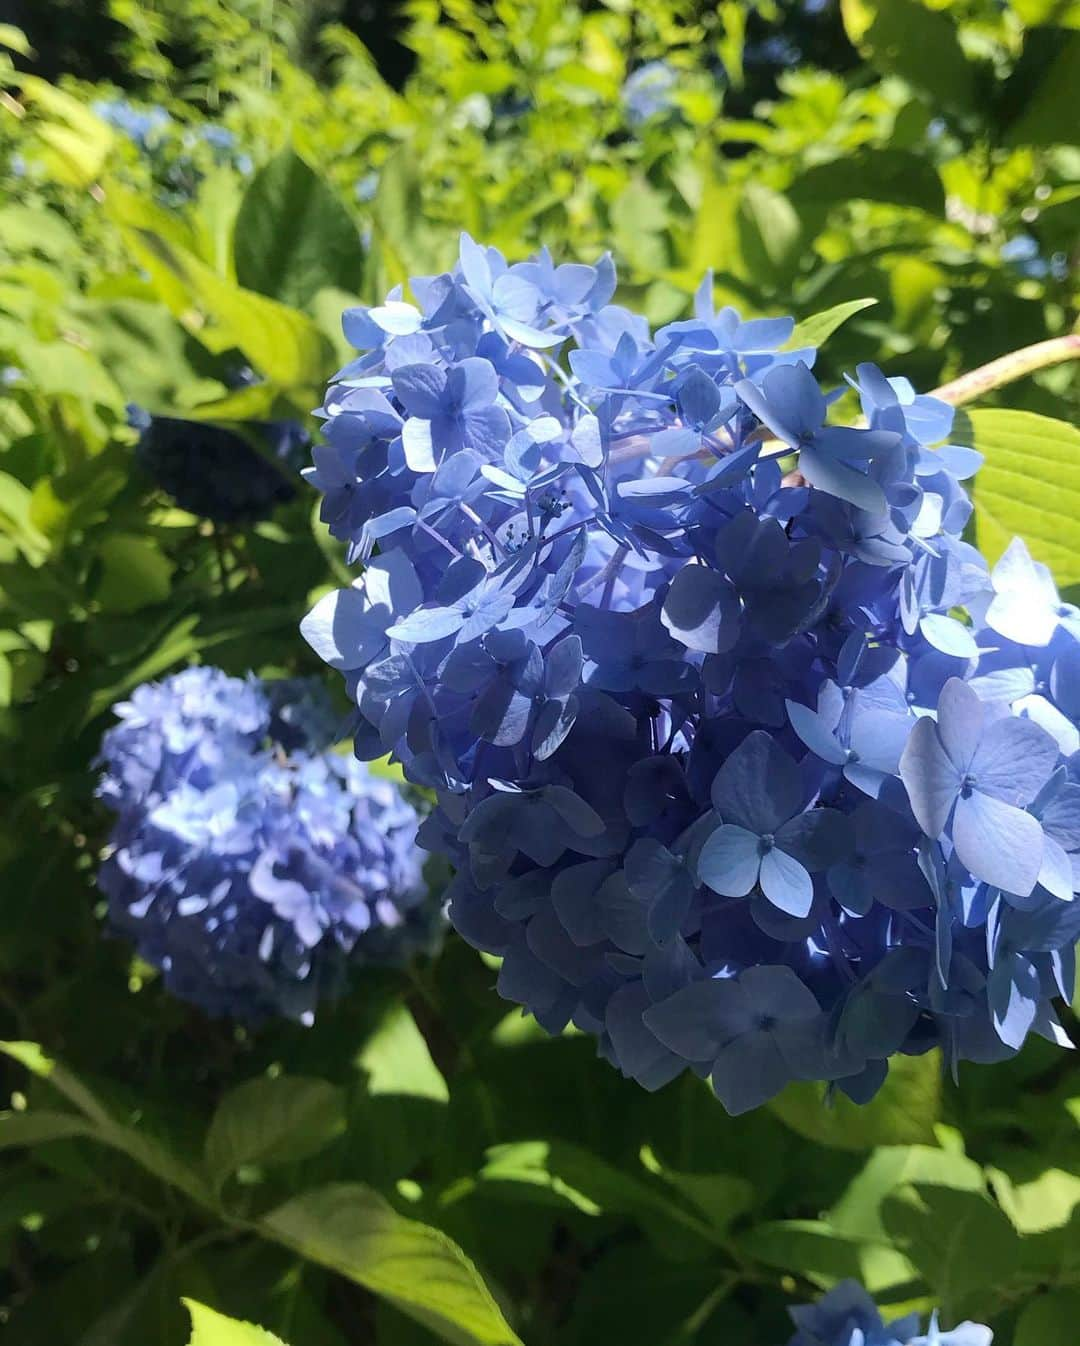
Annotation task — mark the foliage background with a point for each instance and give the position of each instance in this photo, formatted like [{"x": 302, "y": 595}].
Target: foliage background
[{"x": 498, "y": 1186}]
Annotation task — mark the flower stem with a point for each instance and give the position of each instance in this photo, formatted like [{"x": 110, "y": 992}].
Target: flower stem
[{"x": 1009, "y": 368}]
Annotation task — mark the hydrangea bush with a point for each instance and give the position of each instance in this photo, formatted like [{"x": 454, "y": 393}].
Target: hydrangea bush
[
  {"x": 847, "y": 1316},
  {"x": 249, "y": 864},
  {"x": 748, "y": 764}
]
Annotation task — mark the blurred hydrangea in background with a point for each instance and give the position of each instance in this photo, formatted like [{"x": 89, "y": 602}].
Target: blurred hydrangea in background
[
  {"x": 755, "y": 773},
  {"x": 249, "y": 864},
  {"x": 217, "y": 471},
  {"x": 647, "y": 92},
  {"x": 144, "y": 127},
  {"x": 847, "y": 1316}
]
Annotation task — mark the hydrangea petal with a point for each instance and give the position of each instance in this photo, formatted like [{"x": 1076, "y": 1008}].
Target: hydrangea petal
[
  {"x": 998, "y": 843},
  {"x": 786, "y": 883},
  {"x": 930, "y": 777},
  {"x": 730, "y": 861}
]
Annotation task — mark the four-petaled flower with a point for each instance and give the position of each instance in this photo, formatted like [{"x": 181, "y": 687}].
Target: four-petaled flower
[
  {"x": 792, "y": 405},
  {"x": 449, "y": 410},
  {"x": 768, "y": 837},
  {"x": 975, "y": 773}
]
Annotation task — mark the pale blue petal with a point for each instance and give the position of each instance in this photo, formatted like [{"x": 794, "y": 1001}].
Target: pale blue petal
[
  {"x": 1014, "y": 760},
  {"x": 949, "y": 636},
  {"x": 729, "y": 861},
  {"x": 419, "y": 448},
  {"x": 998, "y": 843},
  {"x": 816, "y": 732},
  {"x": 427, "y": 624},
  {"x": 786, "y": 884},
  {"x": 931, "y": 779},
  {"x": 961, "y": 717}
]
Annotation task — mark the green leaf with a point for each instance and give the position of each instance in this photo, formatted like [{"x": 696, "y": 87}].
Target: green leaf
[
  {"x": 77, "y": 140},
  {"x": 586, "y": 1181},
  {"x": 1028, "y": 486},
  {"x": 524, "y": 1163},
  {"x": 210, "y": 1328},
  {"x": 858, "y": 1212},
  {"x": 272, "y": 1121},
  {"x": 407, "y": 244},
  {"x": 816, "y": 329},
  {"x": 282, "y": 343},
  {"x": 807, "y": 1247},
  {"x": 770, "y": 234},
  {"x": 143, "y": 1149},
  {"x": 15, "y": 39},
  {"x": 63, "y": 370},
  {"x": 961, "y": 1243},
  {"x": 293, "y": 236},
  {"x": 1049, "y": 1320},
  {"x": 639, "y": 219},
  {"x": 896, "y": 177},
  {"x": 721, "y": 1197},
  {"x": 28, "y": 229},
  {"x": 1052, "y": 13},
  {"x": 397, "y": 1061},
  {"x": 142, "y": 346},
  {"x": 902, "y": 1113},
  {"x": 1047, "y": 1202},
  {"x": 33, "y": 1058},
  {"x": 191, "y": 634},
  {"x": 353, "y": 1231},
  {"x": 905, "y": 38},
  {"x": 16, "y": 520},
  {"x": 1044, "y": 121},
  {"x": 135, "y": 573},
  {"x": 39, "y": 1127}
]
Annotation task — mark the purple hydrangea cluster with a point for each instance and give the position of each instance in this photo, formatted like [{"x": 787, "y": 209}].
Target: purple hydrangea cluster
[
  {"x": 847, "y": 1316},
  {"x": 746, "y": 761},
  {"x": 249, "y": 864}
]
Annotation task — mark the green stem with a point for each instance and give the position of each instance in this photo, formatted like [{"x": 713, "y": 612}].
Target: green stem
[{"x": 1009, "y": 368}]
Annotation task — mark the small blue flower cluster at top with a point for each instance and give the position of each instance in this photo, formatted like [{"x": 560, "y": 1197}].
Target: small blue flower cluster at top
[
  {"x": 847, "y": 1316},
  {"x": 754, "y": 772},
  {"x": 230, "y": 474},
  {"x": 144, "y": 127},
  {"x": 249, "y": 864},
  {"x": 173, "y": 149}
]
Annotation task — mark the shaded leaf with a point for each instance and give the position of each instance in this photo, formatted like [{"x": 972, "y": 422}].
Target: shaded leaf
[
  {"x": 902, "y": 1113},
  {"x": 353, "y": 1231},
  {"x": 272, "y": 1120},
  {"x": 293, "y": 236}
]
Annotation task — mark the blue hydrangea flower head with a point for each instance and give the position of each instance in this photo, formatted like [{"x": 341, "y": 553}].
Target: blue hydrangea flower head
[
  {"x": 763, "y": 777},
  {"x": 250, "y": 865},
  {"x": 847, "y": 1316}
]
